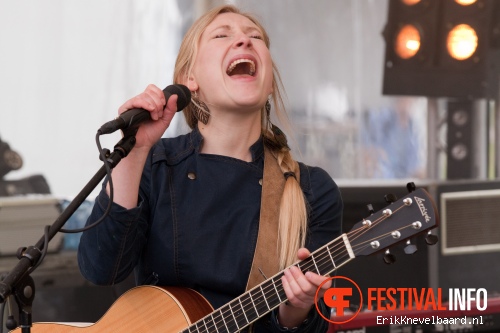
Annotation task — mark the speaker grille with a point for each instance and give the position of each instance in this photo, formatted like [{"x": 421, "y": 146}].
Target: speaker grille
[{"x": 470, "y": 221}]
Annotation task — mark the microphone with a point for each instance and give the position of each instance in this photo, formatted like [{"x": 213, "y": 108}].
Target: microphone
[{"x": 131, "y": 119}]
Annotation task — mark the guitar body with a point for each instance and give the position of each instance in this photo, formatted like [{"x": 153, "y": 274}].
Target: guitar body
[{"x": 142, "y": 309}]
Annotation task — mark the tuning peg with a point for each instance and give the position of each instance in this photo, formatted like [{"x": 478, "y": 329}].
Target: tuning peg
[
  {"x": 410, "y": 248},
  {"x": 390, "y": 198},
  {"x": 370, "y": 209},
  {"x": 389, "y": 258},
  {"x": 431, "y": 239},
  {"x": 411, "y": 187}
]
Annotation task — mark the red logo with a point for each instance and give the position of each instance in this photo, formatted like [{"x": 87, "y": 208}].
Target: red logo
[{"x": 338, "y": 300}]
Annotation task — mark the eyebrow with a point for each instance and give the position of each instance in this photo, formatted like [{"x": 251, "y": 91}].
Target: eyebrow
[{"x": 246, "y": 29}]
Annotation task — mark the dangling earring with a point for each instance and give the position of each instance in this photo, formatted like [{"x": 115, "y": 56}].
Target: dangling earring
[
  {"x": 268, "y": 114},
  {"x": 200, "y": 109}
]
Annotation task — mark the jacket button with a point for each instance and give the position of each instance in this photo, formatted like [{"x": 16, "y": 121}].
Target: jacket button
[
  {"x": 260, "y": 182},
  {"x": 192, "y": 175}
]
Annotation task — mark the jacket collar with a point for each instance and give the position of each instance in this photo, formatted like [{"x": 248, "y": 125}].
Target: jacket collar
[{"x": 175, "y": 150}]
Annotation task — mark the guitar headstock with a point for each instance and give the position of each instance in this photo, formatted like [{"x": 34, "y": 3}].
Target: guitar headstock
[{"x": 401, "y": 220}]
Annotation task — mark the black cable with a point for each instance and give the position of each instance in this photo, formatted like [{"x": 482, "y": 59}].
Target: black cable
[
  {"x": 108, "y": 209},
  {"x": 111, "y": 192}
]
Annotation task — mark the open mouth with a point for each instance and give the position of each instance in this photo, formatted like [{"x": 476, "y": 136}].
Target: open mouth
[{"x": 241, "y": 67}]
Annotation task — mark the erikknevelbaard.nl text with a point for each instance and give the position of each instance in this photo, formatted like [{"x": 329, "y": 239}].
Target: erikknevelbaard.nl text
[{"x": 432, "y": 320}]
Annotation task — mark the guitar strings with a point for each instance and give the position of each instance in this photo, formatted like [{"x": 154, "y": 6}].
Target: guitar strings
[
  {"x": 256, "y": 302},
  {"x": 323, "y": 264},
  {"x": 217, "y": 318}
]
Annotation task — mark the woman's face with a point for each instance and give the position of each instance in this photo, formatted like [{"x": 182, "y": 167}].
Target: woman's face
[{"x": 233, "y": 67}]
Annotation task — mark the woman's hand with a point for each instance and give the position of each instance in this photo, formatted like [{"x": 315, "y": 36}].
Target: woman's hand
[
  {"x": 300, "y": 290},
  {"x": 152, "y": 99},
  {"x": 127, "y": 174}
]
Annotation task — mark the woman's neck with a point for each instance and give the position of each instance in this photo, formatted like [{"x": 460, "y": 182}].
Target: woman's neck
[{"x": 230, "y": 137}]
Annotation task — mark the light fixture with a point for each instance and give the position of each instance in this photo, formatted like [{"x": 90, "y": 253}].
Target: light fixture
[
  {"x": 461, "y": 42},
  {"x": 407, "y": 41},
  {"x": 442, "y": 48},
  {"x": 465, "y": 2},
  {"x": 410, "y": 2}
]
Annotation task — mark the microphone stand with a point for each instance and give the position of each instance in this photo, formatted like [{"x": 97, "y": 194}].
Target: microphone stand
[{"x": 18, "y": 282}]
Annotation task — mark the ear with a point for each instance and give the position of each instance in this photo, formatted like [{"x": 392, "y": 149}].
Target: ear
[{"x": 192, "y": 84}]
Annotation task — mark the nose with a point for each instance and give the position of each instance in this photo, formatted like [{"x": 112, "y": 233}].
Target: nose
[{"x": 242, "y": 40}]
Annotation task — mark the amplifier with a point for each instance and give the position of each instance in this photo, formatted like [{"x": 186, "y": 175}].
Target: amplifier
[
  {"x": 425, "y": 321},
  {"x": 23, "y": 219}
]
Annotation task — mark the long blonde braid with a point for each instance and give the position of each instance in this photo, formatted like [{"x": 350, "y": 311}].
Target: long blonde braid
[{"x": 293, "y": 215}]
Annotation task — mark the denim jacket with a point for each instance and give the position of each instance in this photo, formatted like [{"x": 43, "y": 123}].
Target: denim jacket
[{"x": 196, "y": 224}]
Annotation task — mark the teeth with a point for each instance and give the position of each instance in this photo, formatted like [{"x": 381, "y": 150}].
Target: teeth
[{"x": 239, "y": 61}]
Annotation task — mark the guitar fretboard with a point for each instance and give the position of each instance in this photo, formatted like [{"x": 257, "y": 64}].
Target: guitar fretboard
[{"x": 268, "y": 295}]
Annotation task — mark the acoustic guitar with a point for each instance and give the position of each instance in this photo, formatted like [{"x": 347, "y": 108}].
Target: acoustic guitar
[{"x": 173, "y": 309}]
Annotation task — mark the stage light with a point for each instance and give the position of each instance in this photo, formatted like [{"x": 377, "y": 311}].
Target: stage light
[
  {"x": 462, "y": 42},
  {"x": 410, "y": 2},
  {"x": 407, "y": 41},
  {"x": 465, "y": 2},
  {"x": 442, "y": 48}
]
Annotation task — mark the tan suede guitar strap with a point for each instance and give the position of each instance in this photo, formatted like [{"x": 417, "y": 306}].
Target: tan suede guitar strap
[{"x": 265, "y": 262}]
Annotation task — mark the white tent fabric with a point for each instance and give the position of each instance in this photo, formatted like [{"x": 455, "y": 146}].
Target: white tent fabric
[{"x": 65, "y": 68}]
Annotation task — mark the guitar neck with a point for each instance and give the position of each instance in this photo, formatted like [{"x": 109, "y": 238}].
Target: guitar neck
[{"x": 268, "y": 295}]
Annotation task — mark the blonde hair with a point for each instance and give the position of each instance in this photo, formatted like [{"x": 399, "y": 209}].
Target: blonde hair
[{"x": 293, "y": 210}]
